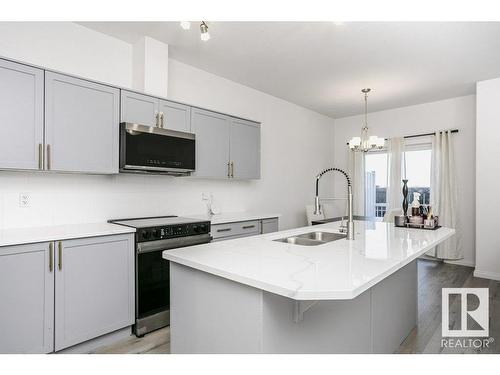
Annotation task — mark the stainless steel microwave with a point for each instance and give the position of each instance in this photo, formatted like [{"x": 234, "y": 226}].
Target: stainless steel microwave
[{"x": 148, "y": 149}]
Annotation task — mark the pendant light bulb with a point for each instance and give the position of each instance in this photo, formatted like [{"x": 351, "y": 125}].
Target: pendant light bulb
[{"x": 186, "y": 25}]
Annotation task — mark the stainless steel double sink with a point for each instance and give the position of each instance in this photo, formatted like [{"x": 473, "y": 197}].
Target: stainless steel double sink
[{"x": 312, "y": 238}]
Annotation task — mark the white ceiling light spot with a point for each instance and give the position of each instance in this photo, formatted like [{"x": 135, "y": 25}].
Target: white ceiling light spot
[{"x": 186, "y": 25}]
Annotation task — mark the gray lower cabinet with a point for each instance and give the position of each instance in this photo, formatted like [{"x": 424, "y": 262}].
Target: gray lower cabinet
[
  {"x": 139, "y": 109},
  {"x": 21, "y": 116},
  {"x": 229, "y": 231},
  {"x": 27, "y": 299},
  {"x": 175, "y": 116},
  {"x": 58, "y": 294},
  {"x": 94, "y": 290},
  {"x": 245, "y": 149},
  {"x": 212, "y": 143},
  {"x": 81, "y": 125}
]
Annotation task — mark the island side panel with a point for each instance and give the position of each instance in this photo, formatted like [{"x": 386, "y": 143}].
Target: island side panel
[
  {"x": 209, "y": 314},
  {"x": 341, "y": 326},
  {"x": 394, "y": 308}
]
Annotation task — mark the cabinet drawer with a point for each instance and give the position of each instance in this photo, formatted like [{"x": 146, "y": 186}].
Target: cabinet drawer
[
  {"x": 235, "y": 229},
  {"x": 269, "y": 225}
]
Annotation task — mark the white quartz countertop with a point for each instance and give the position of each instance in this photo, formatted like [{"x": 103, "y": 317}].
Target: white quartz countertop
[
  {"x": 234, "y": 217},
  {"x": 336, "y": 270},
  {"x": 19, "y": 236}
]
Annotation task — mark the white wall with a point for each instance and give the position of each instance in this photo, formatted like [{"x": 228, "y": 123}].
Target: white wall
[
  {"x": 487, "y": 179},
  {"x": 296, "y": 142},
  {"x": 459, "y": 113},
  {"x": 68, "y": 47}
]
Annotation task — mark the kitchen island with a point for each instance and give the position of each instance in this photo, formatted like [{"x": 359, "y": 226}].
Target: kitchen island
[{"x": 258, "y": 295}]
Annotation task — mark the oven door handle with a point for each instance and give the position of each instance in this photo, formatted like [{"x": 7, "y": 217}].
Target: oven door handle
[{"x": 172, "y": 243}]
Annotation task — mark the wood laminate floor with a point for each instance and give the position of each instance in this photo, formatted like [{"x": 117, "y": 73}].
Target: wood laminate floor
[{"x": 425, "y": 337}]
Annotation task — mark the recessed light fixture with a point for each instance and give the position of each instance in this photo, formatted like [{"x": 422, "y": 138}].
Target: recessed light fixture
[
  {"x": 186, "y": 25},
  {"x": 204, "y": 31}
]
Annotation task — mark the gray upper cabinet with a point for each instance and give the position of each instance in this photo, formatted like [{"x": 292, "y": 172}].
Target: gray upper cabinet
[
  {"x": 21, "y": 116},
  {"x": 94, "y": 288},
  {"x": 245, "y": 149},
  {"x": 212, "y": 143},
  {"x": 51, "y": 121},
  {"x": 81, "y": 125},
  {"x": 139, "y": 108},
  {"x": 174, "y": 116},
  {"x": 27, "y": 299}
]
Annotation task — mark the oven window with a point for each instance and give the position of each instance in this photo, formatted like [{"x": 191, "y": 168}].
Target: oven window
[
  {"x": 145, "y": 149},
  {"x": 153, "y": 286}
]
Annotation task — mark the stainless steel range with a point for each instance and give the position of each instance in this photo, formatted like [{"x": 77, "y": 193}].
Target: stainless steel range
[{"x": 152, "y": 281}]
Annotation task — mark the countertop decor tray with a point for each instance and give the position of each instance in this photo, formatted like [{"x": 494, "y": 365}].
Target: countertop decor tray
[{"x": 420, "y": 226}]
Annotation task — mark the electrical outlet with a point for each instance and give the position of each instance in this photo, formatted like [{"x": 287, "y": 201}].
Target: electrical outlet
[{"x": 24, "y": 200}]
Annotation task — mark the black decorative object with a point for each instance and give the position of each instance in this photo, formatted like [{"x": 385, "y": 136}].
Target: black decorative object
[{"x": 405, "y": 197}]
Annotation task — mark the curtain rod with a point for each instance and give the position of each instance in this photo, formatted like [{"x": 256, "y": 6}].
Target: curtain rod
[{"x": 420, "y": 135}]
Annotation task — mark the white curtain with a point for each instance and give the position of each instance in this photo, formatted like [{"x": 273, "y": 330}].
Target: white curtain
[
  {"x": 394, "y": 184},
  {"x": 357, "y": 174},
  {"x": 444, "y": 193}
]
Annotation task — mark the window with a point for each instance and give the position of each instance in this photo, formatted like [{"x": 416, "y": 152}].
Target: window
[
  {"x": 418, "y": 173},
  {"x": 375, "y": 184}
]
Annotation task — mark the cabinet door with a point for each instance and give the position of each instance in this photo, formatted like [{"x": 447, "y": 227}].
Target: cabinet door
[
  {"x": 139, "y": 109},
  {"x": 94, "y": 288},
  {"x": 245, "y": 149},
  {"x": 27, "y": 299},
  {"x": 175, "y": 116},
  {"x": 81, "y": 125},
  {"x": 21, "y": 116},
  {"x": 212, "y": 143}
]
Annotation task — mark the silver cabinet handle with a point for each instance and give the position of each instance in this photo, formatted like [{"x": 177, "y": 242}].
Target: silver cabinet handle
[
  {"x": 228, "y": 170},
  {"x": 157, "y": 118},
  {"x": 224, "y": 230},
  {"x": 232, "y": 170},
  {"x": 248, "y": 226},
  {"x": 51, "y": 256},
  {"x": 161, "y": 119},
  {"x": 49, "y": 162},
  {"x": 40, "y": 156},
  {"x": 59, "y": 260}
]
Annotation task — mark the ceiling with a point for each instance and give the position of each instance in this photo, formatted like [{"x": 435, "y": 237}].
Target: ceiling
[{"x": 324, "y": 65}]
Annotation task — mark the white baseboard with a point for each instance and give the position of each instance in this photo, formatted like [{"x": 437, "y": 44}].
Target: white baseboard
[
  {"x": 462, "y": 262},
  {"x": 487, "y": 274}
]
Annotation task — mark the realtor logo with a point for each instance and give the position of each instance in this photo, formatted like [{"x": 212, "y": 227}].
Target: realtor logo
[{"x": 472, "y": 320}]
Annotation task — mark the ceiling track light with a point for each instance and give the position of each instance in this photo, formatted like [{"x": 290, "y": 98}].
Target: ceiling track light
[
  {"x": 204, "y": 34},
  {"x": 204, "y": 31}
]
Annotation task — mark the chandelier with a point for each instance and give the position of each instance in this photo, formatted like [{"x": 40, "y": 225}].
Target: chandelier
[{"x": 366, "y": 143}]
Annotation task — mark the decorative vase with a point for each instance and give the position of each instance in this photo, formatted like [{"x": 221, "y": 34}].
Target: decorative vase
[{"x": 405, "y": 197}]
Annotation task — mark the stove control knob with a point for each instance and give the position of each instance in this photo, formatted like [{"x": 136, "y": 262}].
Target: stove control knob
[
  {"x": 203, "y": 227},
  {"x": 155, "y": 233},
  {"x": 196, "y": 228},
  {"x": 146, "y": 234}
]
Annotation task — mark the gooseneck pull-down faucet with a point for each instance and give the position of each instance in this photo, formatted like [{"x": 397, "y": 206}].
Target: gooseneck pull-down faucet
[{"x": 317, "y": 205}]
